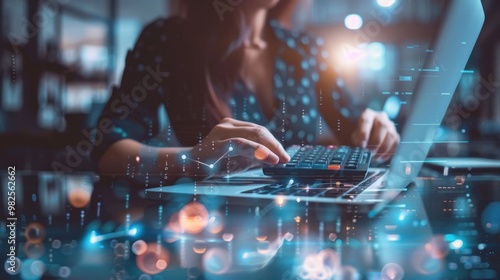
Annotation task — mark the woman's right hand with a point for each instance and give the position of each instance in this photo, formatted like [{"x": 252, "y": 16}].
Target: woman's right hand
[{"x": 236, "y": 146}]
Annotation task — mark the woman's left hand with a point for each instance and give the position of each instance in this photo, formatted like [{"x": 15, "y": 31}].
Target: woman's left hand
[{"x": 376, "y": 132}]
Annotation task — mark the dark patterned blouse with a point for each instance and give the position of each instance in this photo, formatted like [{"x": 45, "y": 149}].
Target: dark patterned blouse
[{"x": 306, "y": 91}]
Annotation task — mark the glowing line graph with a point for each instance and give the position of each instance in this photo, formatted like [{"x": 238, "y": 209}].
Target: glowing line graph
[{"x": 211, "y": 165}]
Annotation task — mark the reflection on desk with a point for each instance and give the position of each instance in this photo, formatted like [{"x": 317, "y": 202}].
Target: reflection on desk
[{"x": 78, "y": 226}]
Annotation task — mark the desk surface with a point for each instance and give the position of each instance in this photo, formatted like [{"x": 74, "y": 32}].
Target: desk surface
[{"x": 76, "y": 227}]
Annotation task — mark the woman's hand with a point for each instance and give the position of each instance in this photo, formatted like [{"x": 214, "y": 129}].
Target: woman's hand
[
  {"x": 376, "y": 132},
  {"x": 235, "y": 145}
]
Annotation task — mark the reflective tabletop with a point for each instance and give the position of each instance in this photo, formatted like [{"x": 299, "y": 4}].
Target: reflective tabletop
[{"x": 80, "y": 226}]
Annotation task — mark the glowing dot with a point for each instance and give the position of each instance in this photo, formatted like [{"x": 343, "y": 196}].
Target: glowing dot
[
  {"x": 279, "y": 200},
  {"x": 79, "y": 197},
  {"x": 183, "y": 156},
  {"x": 137, "y": 159},
  {"x": 353, "y": 21},
  {"x": 297, "y": 219},
  {"x": 132, "y": 232},
  {"x": 481, "y": 246},
  {"x": 386, "y": 3},
  {"x": 231, "y": 149},
  {"x": 457, "y": 244},
  {"x": 211, "y": 166}
]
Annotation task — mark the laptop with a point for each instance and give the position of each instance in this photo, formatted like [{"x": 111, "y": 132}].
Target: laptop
[{"x": 451, "y": 49}]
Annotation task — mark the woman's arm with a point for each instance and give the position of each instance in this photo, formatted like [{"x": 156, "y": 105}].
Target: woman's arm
[
  {"x": 231, "y": 146},
  {"x": 131, "y": 158}
]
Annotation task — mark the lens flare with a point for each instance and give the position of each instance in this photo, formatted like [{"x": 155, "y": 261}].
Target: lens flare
[
  {"x": 216, "y": 261},
  {"x": 193, "y": 218},
  {"x": 154, "y": 260}
]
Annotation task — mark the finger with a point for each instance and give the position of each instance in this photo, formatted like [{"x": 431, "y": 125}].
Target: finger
[
  {"x": 386, "y": 149},
  {"x": 395, "y": 144},
  {"x": 377, "y": 137},
  {"x": 364, "y": 128},
  {"x": 259, "y": 135},
  {"x": 251, "y": 149},
  {"x": 239, "y": 123}
]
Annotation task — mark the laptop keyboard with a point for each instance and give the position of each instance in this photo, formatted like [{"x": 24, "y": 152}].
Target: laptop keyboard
[{"x": 317, "y": 189}]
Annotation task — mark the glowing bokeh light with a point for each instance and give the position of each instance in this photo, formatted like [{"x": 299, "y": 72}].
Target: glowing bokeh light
[
  {"x": 216, "y": 261},
  {"x": 386, "y": 3},
  {"x": 154, "y": 260},
  {"x": 215, "y": 223},
  {"x": 227, "y": 237},
  {"x": 34, "y": 250},
  {"x": 437, "y": 247},
  {"x": 79, "y": 197},
  {"x": 392, "y": 271},
  {"x": 261, "y": 237},
  {"x": 12, "y": 267},
  {"x": 279, "y": 200},
  {"x": 199, "y": 246},
  {"x": 353, "y": 21},
  {"x": 64, "y": 272},
  {"x": 34, "y": 233},
  {"x": 263, "y": 247},
  {"x": 193, "y": 218},
  {"x": 457, "y": 244},
  {"x": 139, "y": 247},
  {"x": 173, "y": 228},
  {"x": 490, "y": 218}
]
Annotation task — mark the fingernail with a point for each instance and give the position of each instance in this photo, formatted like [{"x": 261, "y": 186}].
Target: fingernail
[
  {"x": 363, "y": 144},
  {"x": 272, "y": 159},
  {"x": 287, "y": 158}
]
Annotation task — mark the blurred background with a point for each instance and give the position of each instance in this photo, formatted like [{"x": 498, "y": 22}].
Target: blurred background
[{"x": 60, "y": 58}]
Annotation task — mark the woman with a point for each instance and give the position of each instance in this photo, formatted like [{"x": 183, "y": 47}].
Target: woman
[{"x": 237, "y": 87}]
